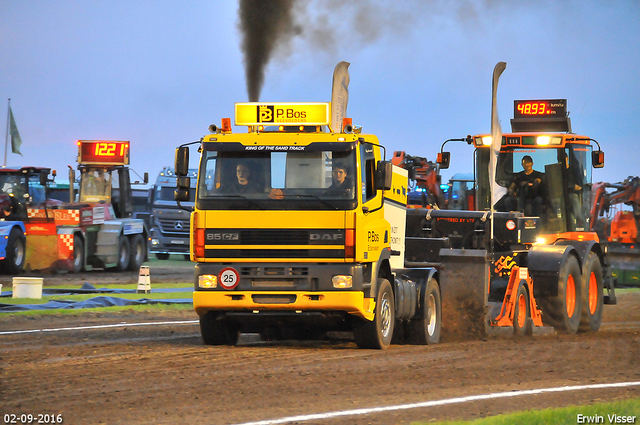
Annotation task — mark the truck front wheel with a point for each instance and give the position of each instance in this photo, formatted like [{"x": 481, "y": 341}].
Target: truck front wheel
[
  {"x": 378, "y": 332},
  {"x": 521, "y": 314},
  {"x": 217, "y": 330},
  {"x": 592, "y": 295},
  {"x": 425, "y": 328}
]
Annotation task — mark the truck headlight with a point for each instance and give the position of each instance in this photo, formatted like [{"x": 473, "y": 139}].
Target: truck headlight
[
  {"x": 155, "y": 242},
  {"x": 342, "y": 282},
  {"x": 207, "y": 281}
]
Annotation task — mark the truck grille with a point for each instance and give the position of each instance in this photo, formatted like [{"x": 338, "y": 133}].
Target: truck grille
[
  {"x": 274, "y": 237},
  {"x": 274, "y": 243},
  {"x": 174, "y": 226}
]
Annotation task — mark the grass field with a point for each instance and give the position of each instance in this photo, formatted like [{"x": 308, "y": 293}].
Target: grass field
[
  {"x": 187, "y": 293},
  {"x": 624, "y": 411}
]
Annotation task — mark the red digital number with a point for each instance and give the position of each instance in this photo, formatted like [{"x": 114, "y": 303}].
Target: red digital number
[
  {"x": 533, "y": 108},
  {"x": 105, "y": 149}
]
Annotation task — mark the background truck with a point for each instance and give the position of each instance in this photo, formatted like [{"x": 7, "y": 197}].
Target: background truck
[
  {"x": 169, "y": 232},
  {"x": 618, "y": 228},
  {"x": 22, "y": 191},
  {"x": 99, "y": 230},
  {"x": 94, "y": 231},
  {"x": 424, "y": 180}
]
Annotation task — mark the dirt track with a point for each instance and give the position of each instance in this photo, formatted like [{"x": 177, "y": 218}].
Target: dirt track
[{"x": 163, "y": 374}]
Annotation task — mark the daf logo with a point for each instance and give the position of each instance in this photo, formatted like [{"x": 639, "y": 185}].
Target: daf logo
[
  {"x": 325, "y": 236},
  {"x": 178, "y": 225}
]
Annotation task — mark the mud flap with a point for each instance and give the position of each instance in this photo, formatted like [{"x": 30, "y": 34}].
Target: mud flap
[{"x": 464, "y": 279}]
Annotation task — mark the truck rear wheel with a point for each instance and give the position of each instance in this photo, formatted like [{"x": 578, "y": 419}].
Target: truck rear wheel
[
  {"x": 563, "y": 310},
  {"x": 425, "y": 329},
  {"x": 522, "y": 312},
  {"x": 16, "y": 252},
  {"x": 217, "y": 330},
  {"x": 123, "y": 253},
  {"x": 592, "y": 295},
  {"x": 77, "y": 264},
  {"x": 138, "y": 251},
  {"x": 378, "y": 332}
]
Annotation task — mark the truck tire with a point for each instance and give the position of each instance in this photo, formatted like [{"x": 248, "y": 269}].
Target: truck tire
[
  {"x": 162, "y": 256},
  {"x": 563, "y": 310},
  {"x": 426, "y": 328},
  {"x": 16, "y": 252},
  {"x": 137, "y": 251},
  {"x": 592, "y": 295},
  {"x": 377, "y": 333},
  {"x": 123, "y": 253},
  {"x": 217, "y": 330},
  {"x": 77, "y": 264},
  {"x": 522, "y": 311}
]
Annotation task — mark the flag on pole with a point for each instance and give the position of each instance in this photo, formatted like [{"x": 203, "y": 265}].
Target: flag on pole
[
  {"x": 16, "y": 141},
  {"x": 497, "y": 191},
  {"x": 339, "y": 95}
]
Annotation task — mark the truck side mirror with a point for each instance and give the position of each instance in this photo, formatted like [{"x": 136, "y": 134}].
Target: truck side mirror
[
  {"x": 443, "y": 160},
  {"x": 182, "y": 161},
  {"x": 384, "y": 175},
  {"x": 146, "y": 178},
  {"x": 597, "y": 159},
  {"x": 43, "y": 178},
  {"x": 181, "y": 193}
]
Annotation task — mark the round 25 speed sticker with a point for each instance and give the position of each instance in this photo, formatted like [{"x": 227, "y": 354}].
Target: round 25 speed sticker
[{"x": 229, "y": 278}]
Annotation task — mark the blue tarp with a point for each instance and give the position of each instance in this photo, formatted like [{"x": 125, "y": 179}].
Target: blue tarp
[
  {"x": 88, "y": 288},
  {"x": 101, "y": 301}
]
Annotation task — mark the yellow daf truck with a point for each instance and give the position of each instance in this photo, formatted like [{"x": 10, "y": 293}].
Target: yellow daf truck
[{"x": 299, "y": 228}]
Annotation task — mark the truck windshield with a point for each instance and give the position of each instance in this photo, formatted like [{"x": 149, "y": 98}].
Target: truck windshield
[
  {"x": 95, "y": 186},
  {"x": 553, "y": 184},
  {"x": 307, "y": 179},
  {"x": 164, "y": 194},
  {"x": 12, "y": 185}
]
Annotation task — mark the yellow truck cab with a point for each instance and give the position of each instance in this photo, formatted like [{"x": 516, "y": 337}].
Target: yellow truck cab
[{"x": 298, "y": 228}]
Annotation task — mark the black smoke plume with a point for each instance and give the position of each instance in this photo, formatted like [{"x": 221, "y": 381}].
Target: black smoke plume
[{"x": 264, "y": 25}]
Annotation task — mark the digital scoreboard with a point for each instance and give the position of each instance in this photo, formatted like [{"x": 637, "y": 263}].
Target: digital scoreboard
[
  {"x": 107, "y": 152},
  {"x": 556, "y": 108},
  {"x": 548, "y": 115}
]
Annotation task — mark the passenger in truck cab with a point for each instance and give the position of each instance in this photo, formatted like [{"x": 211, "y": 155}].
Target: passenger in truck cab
[
  {"x": 525, "y": 192},
  {"x": 342, "y": 185},
  {"x": 574, "y": 183},
  {"x": 244, "y": 183}
]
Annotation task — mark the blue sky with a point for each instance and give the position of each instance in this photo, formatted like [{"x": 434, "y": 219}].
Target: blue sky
[{"x": 158, "y": 73}]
